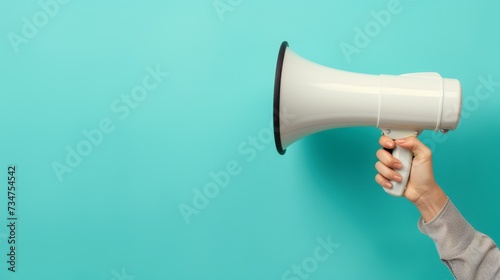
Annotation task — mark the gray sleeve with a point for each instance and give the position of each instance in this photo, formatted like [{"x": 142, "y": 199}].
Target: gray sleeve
[{"x": 468, "y": 253}]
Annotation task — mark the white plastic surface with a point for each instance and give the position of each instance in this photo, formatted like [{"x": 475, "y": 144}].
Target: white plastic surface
[{"x": 314, "y": 98}]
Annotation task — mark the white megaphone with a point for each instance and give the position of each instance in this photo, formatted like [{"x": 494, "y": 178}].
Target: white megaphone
[{"x": 321, "y": 98}]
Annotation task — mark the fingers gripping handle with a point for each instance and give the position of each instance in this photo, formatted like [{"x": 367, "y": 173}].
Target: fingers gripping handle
[
  {"x": 406, "y": 158},
  {"x": 403, "y": 155}
]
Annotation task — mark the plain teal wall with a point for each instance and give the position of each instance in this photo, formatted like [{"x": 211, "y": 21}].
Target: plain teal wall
[{"x": 115, "y": 213}]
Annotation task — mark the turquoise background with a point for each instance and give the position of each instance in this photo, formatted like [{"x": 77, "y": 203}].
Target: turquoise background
[{"x": 116, "y": 215}]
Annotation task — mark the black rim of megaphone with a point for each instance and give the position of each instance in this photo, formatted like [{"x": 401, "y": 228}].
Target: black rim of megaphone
[{"x": 277, "y": 87}]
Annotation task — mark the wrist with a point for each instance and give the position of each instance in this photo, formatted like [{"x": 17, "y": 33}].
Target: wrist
[{"x": 431, "y": 202}]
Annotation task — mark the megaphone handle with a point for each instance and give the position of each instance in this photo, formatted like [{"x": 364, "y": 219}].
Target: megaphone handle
[{"x": 403, "y": 155}]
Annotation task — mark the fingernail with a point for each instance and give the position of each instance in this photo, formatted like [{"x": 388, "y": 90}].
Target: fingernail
[
  {"x": 388, "y": 184},
  {"x": 397, "y": 178},
  {"x": 390, "y": 144},
  {"x": 400, "y": 141},
  {"x": 398, "y": 165}
]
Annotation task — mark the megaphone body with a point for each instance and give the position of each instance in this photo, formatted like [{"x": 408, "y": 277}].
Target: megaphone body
[{"x": 320, "y": 98}]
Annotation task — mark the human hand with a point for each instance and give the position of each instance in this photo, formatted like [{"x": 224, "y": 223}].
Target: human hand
[{"x": 422, "y": 188}]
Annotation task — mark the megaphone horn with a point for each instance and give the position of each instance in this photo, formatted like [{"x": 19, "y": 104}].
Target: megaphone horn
[{"x": 322, "y": 98}]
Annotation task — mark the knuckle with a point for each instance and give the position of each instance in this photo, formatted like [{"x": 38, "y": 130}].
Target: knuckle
[
  {"x": 390, "y": 173},
  {"x": 426, "y": 152},
  {"x": 380, "y": 166}
]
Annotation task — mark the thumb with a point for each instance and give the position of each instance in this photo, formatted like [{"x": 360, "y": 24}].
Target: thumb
[{"x": 412, "y": 143}]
